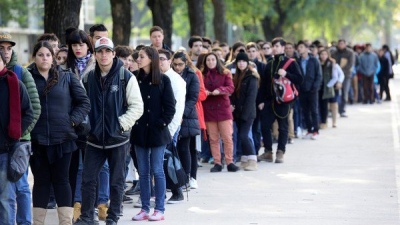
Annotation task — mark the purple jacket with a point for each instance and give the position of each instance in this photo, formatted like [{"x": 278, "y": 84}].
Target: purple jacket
[{"x": 217, "y": 108}]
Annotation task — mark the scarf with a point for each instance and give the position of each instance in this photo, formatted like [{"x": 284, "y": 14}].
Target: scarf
[
  {"x": 14, "y": 126},
  {"x": 82, "y": 62}
]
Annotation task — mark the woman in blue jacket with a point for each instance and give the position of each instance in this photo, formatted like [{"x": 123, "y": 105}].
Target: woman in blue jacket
[{"x": 64, "y": 105}]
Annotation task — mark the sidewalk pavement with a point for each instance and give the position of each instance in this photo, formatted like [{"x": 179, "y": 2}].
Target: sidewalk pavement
[{"x": 349, "y": 176}]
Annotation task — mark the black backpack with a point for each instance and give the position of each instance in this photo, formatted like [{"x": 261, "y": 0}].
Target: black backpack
[{"x": 175, "y": 175}]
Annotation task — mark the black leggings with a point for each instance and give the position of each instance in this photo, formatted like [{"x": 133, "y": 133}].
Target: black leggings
[
  {"x": 193, "y": 156},
  {"x": 46, "y": 174},
  {"x": 183, "y": 147}
]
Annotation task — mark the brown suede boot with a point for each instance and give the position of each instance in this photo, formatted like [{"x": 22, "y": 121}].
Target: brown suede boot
[
  {"x": 77, "y": 210},
  {"x": 279, "y": 156},
  {"x": 266, "y": 156},
  {"x": 102, "y": 211}
]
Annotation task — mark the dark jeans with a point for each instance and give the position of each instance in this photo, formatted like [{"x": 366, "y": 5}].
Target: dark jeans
[
  {"x": 73, "y": 172},
  {"x": 368, "y": 89},
  {"x": 323, "y": 107},
  {"x": 384, "y": 87},
  {"x": 94, "y": 161},
  {"x": 345, "y": 94},
  {"x": 205, "y": 148},
  {"x": 243, "y": 131},
  {"x": 297, "y": 117},
  {"x": 268, "y": 117},
  {"x": 256, "y": 129},
  {"x": 45, "y": 174},
  {"x": 309, "y": 105}
]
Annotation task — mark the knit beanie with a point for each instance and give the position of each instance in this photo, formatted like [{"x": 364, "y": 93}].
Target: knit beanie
[{"x": 242, "y": 56}]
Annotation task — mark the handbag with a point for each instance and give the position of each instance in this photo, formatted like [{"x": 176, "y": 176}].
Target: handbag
[{"x": 18, "y": 160}]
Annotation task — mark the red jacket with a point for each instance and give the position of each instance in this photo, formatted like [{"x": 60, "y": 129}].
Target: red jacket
[
  {"x": 217, "y": 108},
  {"x": 202, "y": 97}
]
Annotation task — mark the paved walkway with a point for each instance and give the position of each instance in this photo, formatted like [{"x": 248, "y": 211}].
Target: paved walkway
[{"x": 350, "y": 176}]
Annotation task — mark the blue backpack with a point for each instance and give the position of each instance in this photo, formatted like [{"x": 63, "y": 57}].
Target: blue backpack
[{"x": 18, "y": 70}]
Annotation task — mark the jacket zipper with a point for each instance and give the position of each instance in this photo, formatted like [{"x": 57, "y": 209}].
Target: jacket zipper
[
  {"x": 104, "y": 147},
  {"x": 47, "y": 121}
]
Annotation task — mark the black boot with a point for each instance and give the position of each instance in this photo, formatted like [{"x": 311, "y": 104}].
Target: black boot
[
  {"x": 232, "y": 168},
  {"x": 216, "y": 168},
  {"x": 177, "y": 197}
]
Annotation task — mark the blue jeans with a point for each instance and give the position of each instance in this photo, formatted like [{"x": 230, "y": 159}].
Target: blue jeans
[
  {"x": 7, "y": 194},
  {"x": 151, "y": 159},
  {"x": 104, "y": 185},
  {"x": 24, "y": 216},
  {"x": 93, "y": 163},
  {"x": 237, "y": 144}
]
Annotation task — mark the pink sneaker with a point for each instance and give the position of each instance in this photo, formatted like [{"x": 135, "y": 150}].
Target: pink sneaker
[
  {"x": 157, "y": 216},
  {"x": 142, "y": 215}
]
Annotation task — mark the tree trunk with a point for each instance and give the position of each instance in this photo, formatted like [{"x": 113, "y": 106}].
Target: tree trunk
[
  {"x": 60, "y": 15},
  {"x": 219, "y": 21},
  {"x": 273, "y": 26},
  {"x": 121, "y": 15},
  {"x": 196, "y": 17},
  {"x": 162, "y": 17}
]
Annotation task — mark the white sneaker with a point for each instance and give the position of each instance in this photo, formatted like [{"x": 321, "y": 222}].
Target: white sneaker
[
  {"x": 299, "y": 133},
  {"x": 193, "y": 183},
  {"x": 314, "y": 136}
]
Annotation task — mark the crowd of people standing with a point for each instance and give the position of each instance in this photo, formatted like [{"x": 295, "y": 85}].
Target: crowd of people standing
[{"x": 88, "y": 108}]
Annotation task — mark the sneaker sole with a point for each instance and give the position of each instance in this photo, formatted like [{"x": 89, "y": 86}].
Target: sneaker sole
[
  {"x": 162, "y": 218},
  {"x": 174, "y": 202},
  {"x": 144, "y": 218}
]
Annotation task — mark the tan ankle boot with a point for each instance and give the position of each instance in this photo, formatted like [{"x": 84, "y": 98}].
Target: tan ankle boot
[
  {"x": 39, "y": 215},
  {"x": 65, "y": 215},
  {"x": 251, "y": 165},
  {"x": 77, "y": 210},
  {"x": 243, "y": 161},
  {"x": 279, "y": 156},
  {"x": 102, "y": 211},
  {"x": 334, "y": 110}
]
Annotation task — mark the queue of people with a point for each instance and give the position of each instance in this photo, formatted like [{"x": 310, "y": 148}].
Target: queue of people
[{"x": 89, "y": 108}]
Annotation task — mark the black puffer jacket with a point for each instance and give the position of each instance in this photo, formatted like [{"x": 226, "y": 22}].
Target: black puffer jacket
[
  {"x": 66, "y": 104},
  {"x": 245, "y": 101},
  {"x": 190, "y": 126}
]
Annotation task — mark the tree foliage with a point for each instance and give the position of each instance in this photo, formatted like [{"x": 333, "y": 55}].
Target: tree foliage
[{"x": 16, "y": 10}]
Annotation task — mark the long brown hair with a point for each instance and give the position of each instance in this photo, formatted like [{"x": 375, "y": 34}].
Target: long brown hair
[
  {"x": 155, "y": 72},
  {"x": 329, "y": 59},
  {"x": 238, "y": 78},
  {"x": 220, "y": 67},
  {"x": 53, "y": 72}
]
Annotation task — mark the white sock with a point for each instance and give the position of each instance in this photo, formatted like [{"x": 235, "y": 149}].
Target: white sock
[
  {"x": 252, "y": 157},
  {"x": 243, "y": 158}
]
